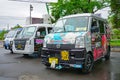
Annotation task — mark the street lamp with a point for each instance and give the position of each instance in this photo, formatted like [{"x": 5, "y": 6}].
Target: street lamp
[{"x": 31, "y": 9}]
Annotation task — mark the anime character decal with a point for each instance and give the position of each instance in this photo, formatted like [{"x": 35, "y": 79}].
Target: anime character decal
[
  {"x": 104, "y": 43},
  {"x": 63, "y": 38},
  {"x": 100, "y": 50}
]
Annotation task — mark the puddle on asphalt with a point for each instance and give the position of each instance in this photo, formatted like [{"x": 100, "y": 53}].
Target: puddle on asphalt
[
  {"x": 29, "y": 77},
  {"x": 115, "y": 76},
  {"x": 10, "y": 62},
  {"x": 7, "y": 78}
]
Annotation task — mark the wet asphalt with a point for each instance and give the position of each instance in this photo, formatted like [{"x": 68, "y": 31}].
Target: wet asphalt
[{"x": 17, "y": 67}]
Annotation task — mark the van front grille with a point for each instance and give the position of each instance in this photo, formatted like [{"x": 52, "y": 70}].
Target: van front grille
[{"x": 20, "y": 44}]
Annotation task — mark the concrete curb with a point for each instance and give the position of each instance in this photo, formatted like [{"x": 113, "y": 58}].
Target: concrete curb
[{"x": 115, "y": 49}]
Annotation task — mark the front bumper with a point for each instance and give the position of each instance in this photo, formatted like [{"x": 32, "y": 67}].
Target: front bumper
[
  {"x": 76, "y": 57},
  {"x": 27, "y": 50}
]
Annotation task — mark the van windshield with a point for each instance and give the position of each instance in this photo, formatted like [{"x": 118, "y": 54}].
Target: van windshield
[
  {"x": 27, "y": 32},
  {"x": 72, "y": 24},
  {"x": 11, "y": 34}
]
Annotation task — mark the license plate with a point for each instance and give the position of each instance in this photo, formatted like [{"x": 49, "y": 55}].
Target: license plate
[
  {"x": 64, "y": 55},
  {"x": 53, "y": 59},
  {"x": 19, "y": 46}
]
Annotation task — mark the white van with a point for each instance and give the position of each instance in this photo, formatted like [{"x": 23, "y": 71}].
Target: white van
[
  {"x": 77, "y": 41},
  {"x": 30, "y": 40},
  {"x": 10, "y": 37}
]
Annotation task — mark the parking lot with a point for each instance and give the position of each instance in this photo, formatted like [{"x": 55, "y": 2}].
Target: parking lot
[{"x": 17, "y": 67}]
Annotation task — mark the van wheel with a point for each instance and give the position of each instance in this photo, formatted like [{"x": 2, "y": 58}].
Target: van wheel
[
  {"x": 47, "y": 66},
  {"x": 11, "y": 51},
  {"x": 88, "y": 64},
  {"x": 107, "y": 56},
  {"x": 39, "y": 52}
]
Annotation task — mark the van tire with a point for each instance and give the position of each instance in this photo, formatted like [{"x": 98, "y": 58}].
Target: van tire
[
  {"x": 88, "y": 64},
  {"x": 39, "y": 52},
  {"x": 47, "y": 66},
  {"x": 107, "y": 56},
  {"x": 11, "y": 51}
]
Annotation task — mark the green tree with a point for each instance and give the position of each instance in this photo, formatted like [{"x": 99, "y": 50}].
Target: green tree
[
  {"x": 67, "y": 7},
  {"x": 2, "y": 34},
  {"x": 115, "y": 13},
  {"x": 17, "y": 26},
  {"x": 115, "y": 34}
]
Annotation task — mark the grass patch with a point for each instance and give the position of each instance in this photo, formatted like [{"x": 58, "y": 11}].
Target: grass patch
[{"x": 115, "y": 42}]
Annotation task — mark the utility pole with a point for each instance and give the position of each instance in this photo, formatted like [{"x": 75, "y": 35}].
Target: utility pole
[{"x": 31, "y": 9}]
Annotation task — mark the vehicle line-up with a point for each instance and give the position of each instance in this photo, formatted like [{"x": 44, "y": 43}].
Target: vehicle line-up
[{"x": 75, "y": 41}]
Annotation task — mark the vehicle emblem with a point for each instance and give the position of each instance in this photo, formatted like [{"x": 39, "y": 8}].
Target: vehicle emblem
[{"x": 58, "y": 46}]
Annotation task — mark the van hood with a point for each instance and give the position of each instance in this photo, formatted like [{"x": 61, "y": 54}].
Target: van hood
[{"x": 63, "y": 38}]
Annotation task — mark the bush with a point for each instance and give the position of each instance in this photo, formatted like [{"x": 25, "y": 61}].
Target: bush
[
  {"x": 115, "y": 34},
  {"x": 2, "y": 34},
  {"x": 115, "y": 42}
]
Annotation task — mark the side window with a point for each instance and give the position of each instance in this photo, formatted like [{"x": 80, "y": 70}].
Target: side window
[
  {"x": 18, "y": 32},
  {"x": 49, "y": 30},
  {"x": 95, "y": 32},
  {"x": 94, "y": 26},
  {"x": 107, "y": 30},
  {"x": 42, "y": 32},
  {"x": 101, "y": 25}
]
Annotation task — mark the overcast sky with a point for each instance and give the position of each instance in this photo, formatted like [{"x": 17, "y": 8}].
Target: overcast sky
[{"x": 13, "y": 12}]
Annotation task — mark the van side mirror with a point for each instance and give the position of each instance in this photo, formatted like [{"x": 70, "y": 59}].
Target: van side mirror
[
  {"x": 38, "y": 34},
  {"x": 94, "y": 29}
]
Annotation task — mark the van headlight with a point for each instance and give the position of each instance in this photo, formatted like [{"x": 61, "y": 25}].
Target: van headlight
[{"x": 80, "y": 43}]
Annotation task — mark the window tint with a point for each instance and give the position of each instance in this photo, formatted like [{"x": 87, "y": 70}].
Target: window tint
[
  {"x": 94, "y": 26},
  {"x": 49, "y": 30},
  {"x": 101, "y": 25},
  {"x": 42, "y": 32}
]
